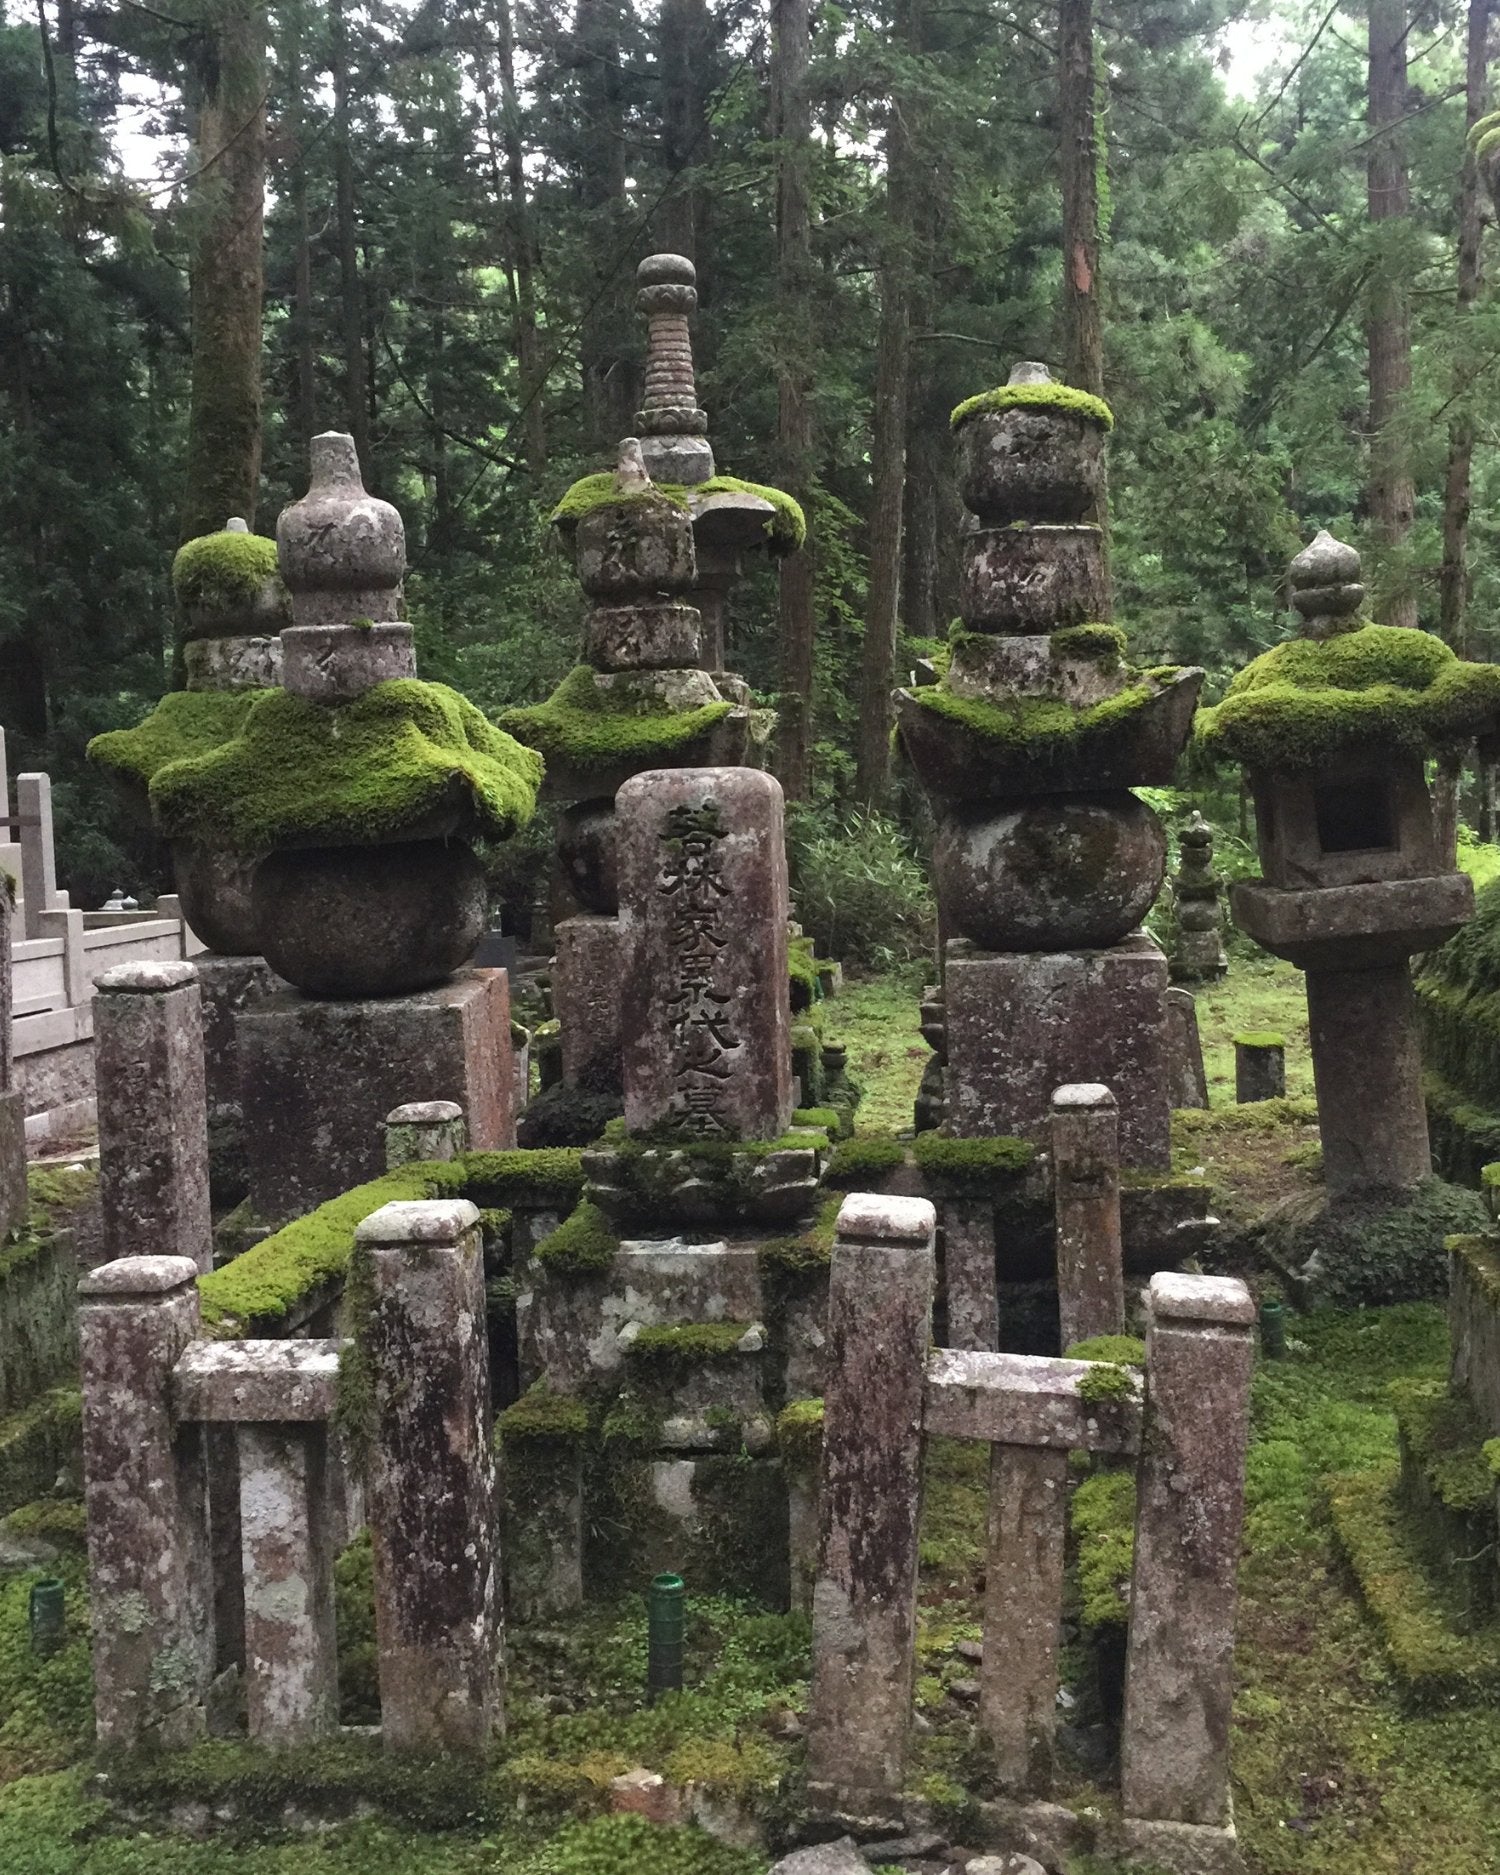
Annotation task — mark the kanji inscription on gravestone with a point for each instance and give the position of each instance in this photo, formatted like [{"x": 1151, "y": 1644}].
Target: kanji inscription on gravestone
[{"x": 703, "y": 903}]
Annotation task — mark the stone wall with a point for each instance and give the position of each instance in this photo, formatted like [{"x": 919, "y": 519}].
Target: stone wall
[{"x": 1474, "y": 1324}]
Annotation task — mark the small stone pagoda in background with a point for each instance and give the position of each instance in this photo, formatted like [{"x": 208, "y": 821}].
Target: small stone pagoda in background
[
  {"x": 1197, "y": 954},
  {"x": 1332, "y": 728}
]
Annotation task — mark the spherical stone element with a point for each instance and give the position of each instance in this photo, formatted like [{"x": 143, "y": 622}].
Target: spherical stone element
[
  {"x": 586, "y": 852},
  {"x": 635, "y": 548},
  {"x": 666, "y": 270},
  {"x": 1030, "y": 465},
  {"x": 1050, "y": 875},
  {"x": 1324, "y": 580},
  {"x": 342, "y": 551},
  {"x": 216, "y": 892},
  {"x": 1032, "y": 579},
  {"x": 370, "y": 920}
]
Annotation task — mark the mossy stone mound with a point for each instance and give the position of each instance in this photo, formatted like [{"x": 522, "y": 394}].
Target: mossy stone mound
[
  {"x": 407, "y": 760},
  {"x": 185, "y": 724},
  {"x": 1458, "y": 1014},
  {"x": 1362, "y": 1255},
  {"x": 227, "y": 583},
  {"x": 1381, "y": 688},
  {"x": 1058, "y": 397},
  {"x": 786, "y": 525}
]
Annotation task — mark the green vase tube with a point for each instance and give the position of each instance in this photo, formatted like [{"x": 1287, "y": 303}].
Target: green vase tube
[
  {"x": 666, "y": 1615},
  {"x": 47, "y": 1616},
  {"x": 1273, "y": 1330}
]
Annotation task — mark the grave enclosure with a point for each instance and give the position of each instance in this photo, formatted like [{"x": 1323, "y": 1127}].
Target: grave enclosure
[{"x": 697, "y": 1341}]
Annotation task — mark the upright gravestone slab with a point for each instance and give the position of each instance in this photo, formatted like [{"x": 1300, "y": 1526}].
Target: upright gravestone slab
[
  {"x": 12, "y": 1100},
  {"x": 705, "y": 1015}
]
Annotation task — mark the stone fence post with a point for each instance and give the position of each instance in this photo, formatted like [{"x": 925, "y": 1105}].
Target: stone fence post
[
  {"x": 1179, "y": 1667},
  {"x": 1259, "y": 1067},
  {"x": 423, "y": 1130},
  {"x": 153, "y": 1113},
  {"x": 864, "y": 1601},
  {"x": 431, "y": 1482},
  {"x": 1086, "y": 1184},
  {"x": 145, "y": 1490}
]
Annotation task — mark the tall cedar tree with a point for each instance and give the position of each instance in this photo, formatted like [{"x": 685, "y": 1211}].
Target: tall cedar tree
[{"x": 1392, "y": 495}]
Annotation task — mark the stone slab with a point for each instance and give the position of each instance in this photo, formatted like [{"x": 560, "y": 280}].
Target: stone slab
[
  {"x": 269, "y": 1381},
  {"x": 1025, "y": 1399},
  {"x": 318, "y": 1078},
  {"x": 1353, "y": 927},
  {"x": 1021, "y": 1024},
  {"x": 587, "y": 985},
  {"x": 334, "y": 663}
]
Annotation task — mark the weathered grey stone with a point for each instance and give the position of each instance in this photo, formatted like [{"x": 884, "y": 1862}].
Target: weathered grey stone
[
  {"x": 13, "y": 1198},
  {"x": 983, "y": 667},
  {"x": 641, "y": 637},
  {"x": 1353, "y": 927},
  {"x": 279, "y": 1382},
  {"x": 864, "y": 1602},
  {"x": 706, "y": 1016},
  {"x": 431, "y": 1482},
  {"x": 291, "y": 1665},
  {"x": 1030, "y": 465},
  {"x": 640, "y": 548},
  {"x": 1474, "y": 1329},
  {"x": 425, "y": 1129},
  {"x": 365, "y": 921},
  {"x": 1190, "y": 1509},
  {"x": 318, "y": 1078},
  {"x": 543, "y": 1529},
  {"x": 969, "y": 1273},
  {"x": 235, "y": 663},
  {"x": 824, "y": 1858},
  {"x": 1187, "y": 1075},
  {"x": 215, "y": 892},
  {"x": 1259, "y": 1069},
  {"x": 1049, "y": 875},
  {"x": 586, "y": 857},
  {"x": 659, "y": 690},
  {"x": 229, "y": 986},
  {"x": 1021, "y": 1024},
  {"x": 1022, "y": 1609},
  {"x": 336, "y": 663},
  {"x": 145, "y": 1488},
  {"x": 1086, "y": 1193},
  {"x": 1352, "y": 821},
  {"x": 588, "y": 987},
  {"x": 1181, "y": 1848},
  {"x": 153, "y": 1113},
  {"x": 1367, "y": 1069},
  {"x": 341, "y": 551},
  {"x": 1032, "y": 579},
  {"x": 1026, "y": 1400}
]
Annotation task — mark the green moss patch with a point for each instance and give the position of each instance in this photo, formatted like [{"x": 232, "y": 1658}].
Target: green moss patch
[
  {"x": 580, "y": 724},
  {"x": 184, "y": 725},
  {"x": 805, "y": 1252},
  {"x": 971, "y": 1165},
  {"x": 541, "y": 1416},
  {"x": 221, "y": 572},
  {"x": 629, "y": 1845},
  {"x": 1442, "y": 1437},
  {"x": 544, "y": 1178},
  {"x": 1260, "y": 1038},
  {"x": 799, "y": 1433},
  {"x": 1103, "y": 645},
  {"x": 670, "y": 1347},
  {"x": 1103, "y": 1522},
  {"x": 1435, "y": 1659},
  {"x": 869, "y": 1156},
  {"x": 407, "y": 757},
  {"x": 1123, "y": 1350},
  {"x": 36, "y": 1443},
  {"x": 584, "y": 1243},
  {"x": 1044, "y": 727},
  {"x": 786, "y": 526},
  {"x": 1383, "y": 687},
  {"x": 1035, "y": 397}
]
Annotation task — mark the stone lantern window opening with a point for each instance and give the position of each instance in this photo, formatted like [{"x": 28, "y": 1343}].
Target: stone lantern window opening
[{"x": 1355, "y": 814}]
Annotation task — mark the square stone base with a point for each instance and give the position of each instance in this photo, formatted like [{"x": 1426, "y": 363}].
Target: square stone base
[
  {"x": 318, "y": 1078},
  {"x": 1020, "y": 1024}
]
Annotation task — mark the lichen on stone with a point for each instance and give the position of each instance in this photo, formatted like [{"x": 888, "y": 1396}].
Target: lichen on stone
[
  {"x": 1381, "y": 687},
  {"x": 581, "y": 724},
  {"x": 406, "y": 757},
  {"x": 217, "y": 572},
  {"x": 1035, "y": 397},
  {"x": 184, "y": 724}
]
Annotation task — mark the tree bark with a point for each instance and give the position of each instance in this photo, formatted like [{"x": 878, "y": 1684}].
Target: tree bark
[
  {"x": 305, "y": 389},
  {"x": 888, "y": 443},
  {"x": 1083, "y": 322},
  {"x": 351, "y": 291},
  {"x": 227, "y": 266},
  {"x": 791, "y": 129},
  {"x": 604, "y": 342},
  {"x": 1392, "y": 495},
  {"x": 686, "y": 42},
  {"x": 1454, "y": 578},
  {"x": 522, "y": 243}
]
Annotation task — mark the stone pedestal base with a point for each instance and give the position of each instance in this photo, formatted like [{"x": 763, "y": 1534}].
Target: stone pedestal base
[
  {"x": 1021, "y": 1024},
  {"x": 1367, "y": 1067},
  {"x": 587, "y": 978},
  {"x": 317, "y": 1080}
]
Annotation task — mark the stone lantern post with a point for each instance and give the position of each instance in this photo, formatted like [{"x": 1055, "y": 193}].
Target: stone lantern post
[{"x": 1332, "y": 727}]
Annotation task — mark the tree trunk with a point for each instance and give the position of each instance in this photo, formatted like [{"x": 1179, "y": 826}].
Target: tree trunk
[
  {"x": 686, "y": 53},
  {"x": 351, "y": 294},
  {"x": 1392, "y": 496},
  {"x": 888, "y": 443},
  {"x": 1083, "y": 323},
  {"x": 522, "y": 246},
  {"x": 227, "y": 266},
  {"x": 305, "y": 387},
  {"x": 791, "y": 129},
  {"x": 1454, "y": 579},
  {"x": 605, "y": 336},
  {"x": 927, "y": 440}
]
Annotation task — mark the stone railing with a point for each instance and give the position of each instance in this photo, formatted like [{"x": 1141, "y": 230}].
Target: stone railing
[
  {"x": 154, "y": 1390},
  {"x": 1185, "y": 1427}
]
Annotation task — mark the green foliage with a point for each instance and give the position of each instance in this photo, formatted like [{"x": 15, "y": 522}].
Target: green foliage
[
  {"x": 627, "y": 1845},
  {"x": 968, "y": 1165},
  {"x": 222, "y": 572},
  {"x": 186, "y": 723},
  {"x": 582, "y": 1245},
  {"x": 872, "y": 1155},
  {"x": 1035, "y": 397},
  {"x": 1379, "y": 687},
  {"x": 1102, "y": 1517},
  {"x": 1107, "y": 1381},
  {"x": 861, "y": 894},
  {"x": 401, "y": 758},
  {"x": 1127, "y": 1349},
  {"x": 582, "y": 725},
  {"x": 542, "y": 1416},
  {"x": 1441, "y": 1432}
]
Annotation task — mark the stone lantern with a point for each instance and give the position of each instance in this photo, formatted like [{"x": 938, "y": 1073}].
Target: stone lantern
[{"x": 1332, "y": 727}]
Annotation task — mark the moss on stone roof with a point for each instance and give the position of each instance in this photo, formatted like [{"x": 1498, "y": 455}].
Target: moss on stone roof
[
  {"x": 220, "y": 571},
  {"x": 1093, "y": 644},
  {"x": 1035, "y": 397},
  {"x": 185, "y": 723},
  {"x": 580, "y": 723},
  {"x": 1382, "y": 687},
  {"x": 787, "y": 526},
  {"x": 397, "y": 759},
  {"x": 1041, "y": 725}
]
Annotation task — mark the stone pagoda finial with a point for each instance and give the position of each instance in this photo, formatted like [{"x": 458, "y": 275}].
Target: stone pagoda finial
[
  {"x": 1325, "y": 586},
  {"x": 674, "y": 431}
]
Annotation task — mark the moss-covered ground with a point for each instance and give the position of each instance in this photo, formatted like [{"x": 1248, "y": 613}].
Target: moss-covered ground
[{"x": 878, "y": 1019}]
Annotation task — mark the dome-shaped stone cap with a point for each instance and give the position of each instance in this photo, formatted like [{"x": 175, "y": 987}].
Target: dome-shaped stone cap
[
  {"x": 1029, "y": 371},
  {"x": 341, "y": 540},
  {"x": 666, "y": 270},
  {"x": 1324, "y": 561}
]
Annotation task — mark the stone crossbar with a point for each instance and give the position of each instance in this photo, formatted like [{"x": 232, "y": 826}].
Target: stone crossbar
[
  {"x": 1023, "y": 1399},
  {"x": 271, "y": 1382}
]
